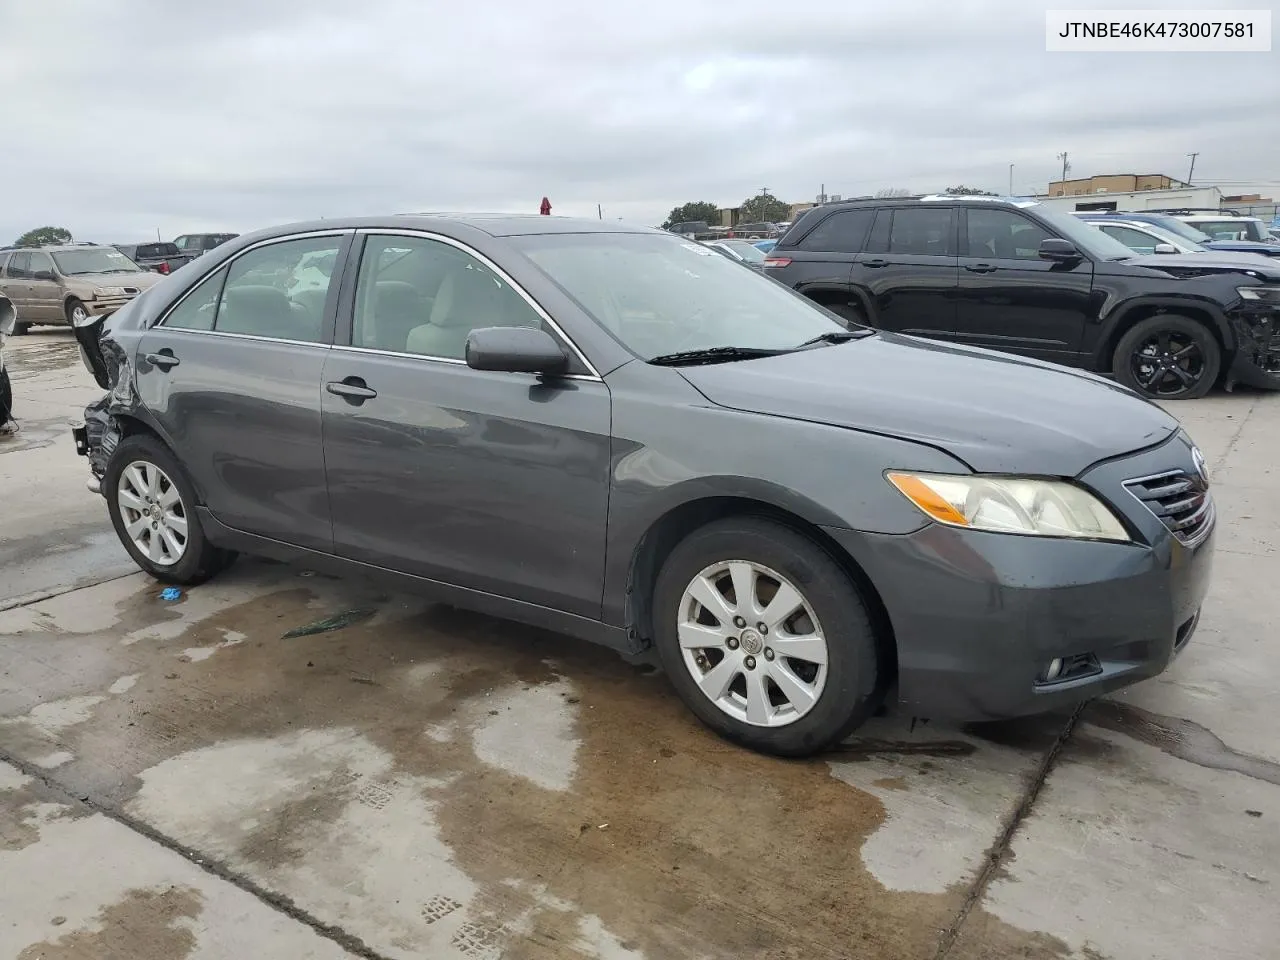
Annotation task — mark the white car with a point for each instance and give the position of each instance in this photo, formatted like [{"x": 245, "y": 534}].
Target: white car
[
  {"x": 1149, "y": 238},
  {"x": 1229, "y": 227}
]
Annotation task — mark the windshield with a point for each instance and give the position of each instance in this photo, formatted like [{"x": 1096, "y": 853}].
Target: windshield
[
  {"x": 660, "y": 295},
  {"x": 1184, "y": 230},
  {"x": 1232, "y": 228},
  {"x": 94, "y": 260},
  {"x": 1093, "y": 242},
  {"x": 1167, "y": 236},
  {"x": 747, "y": 251}
]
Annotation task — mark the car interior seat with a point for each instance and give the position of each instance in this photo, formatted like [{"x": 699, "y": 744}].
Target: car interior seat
[{"x": 468, "y": 298}]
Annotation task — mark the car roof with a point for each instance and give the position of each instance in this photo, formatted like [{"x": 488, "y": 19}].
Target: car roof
[
  {"x": 927, "y": 199},
  {"x": 493, "y": 224}
]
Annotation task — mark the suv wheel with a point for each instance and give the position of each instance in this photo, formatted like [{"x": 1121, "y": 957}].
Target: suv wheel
[
  {"x": 152, "y": 507},
  {"x": 1168, "y": 357},
  {"x": 77, "y": 315},
  {"x": 765, "y": 637}
]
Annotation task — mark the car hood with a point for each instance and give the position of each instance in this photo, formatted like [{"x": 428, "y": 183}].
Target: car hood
[
  {"x": 139, "y": 280},
  {"x": 1198, "y": 264},
  {"x": 997, "y": 413},
  {"x": 1244, "y": 246}
]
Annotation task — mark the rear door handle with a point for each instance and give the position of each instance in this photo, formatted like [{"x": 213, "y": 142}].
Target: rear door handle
[
  {"x": 164, "y": 359},
  {"x": 352, "y": 388},
  {"x": 980, "y": 268},
  {"x": 877, "y": 262}
]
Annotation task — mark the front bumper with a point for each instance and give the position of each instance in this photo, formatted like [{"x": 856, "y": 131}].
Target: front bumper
[
  {"x": 978, "y": 618},
  {"x": 105, "y": 306},
  {"x": 1257, "y": 357}
]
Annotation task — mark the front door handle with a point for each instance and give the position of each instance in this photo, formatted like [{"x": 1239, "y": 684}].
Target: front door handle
[
  {"x": 352, "y": 389},
  {"x": 164, "y": 359},
  {"x": 980, "y": 268},
  {"x": 877, "y": 262}
]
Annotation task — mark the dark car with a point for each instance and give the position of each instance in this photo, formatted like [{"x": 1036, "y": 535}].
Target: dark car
[
  {"x": 196, "y": 244},
  {"x": 160, "y": 257},
  {"x": 1015, "y": 276},
  {"x": 618, "y": 434},
  {"x": 1187, "y": 231},
  {"x": 740, "y": 251}
]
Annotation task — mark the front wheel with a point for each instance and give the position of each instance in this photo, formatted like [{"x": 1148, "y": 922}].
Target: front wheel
[
  {"x": 1168, "y": 357},
  {"x": 152, "y": 507},
  {"x": 77, "y": 314},
  {"x": 765, "y": 637}
]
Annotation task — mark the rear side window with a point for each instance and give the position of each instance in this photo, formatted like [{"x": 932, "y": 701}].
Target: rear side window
[
  {"x": 20, "y": 266},
  {"x": 4, "y": 261},
  {"x": 152, "y": 250},
  {"x": 842, "y": 232},
  {"x": 280, "y": 290},
  {"x": 198, "y": 310},
  {"x": 922, "y": 232}
]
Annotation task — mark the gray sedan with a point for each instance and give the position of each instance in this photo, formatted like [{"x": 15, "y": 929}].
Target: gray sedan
[{"x": 618, "y": 434}]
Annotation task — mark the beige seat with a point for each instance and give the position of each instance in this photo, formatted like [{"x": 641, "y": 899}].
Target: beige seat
[{"x": 468, "y": 298}]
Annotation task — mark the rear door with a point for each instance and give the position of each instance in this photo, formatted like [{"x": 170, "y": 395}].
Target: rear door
[
  {"x": 44, "y": 296},
  {"x": 15, "y": 284},
  {"x": 493, "y": 481},
  {"x": 909, "y": 271},
  {"x": 232, "y": 375},
  {"x": 1012, "y": 300}
]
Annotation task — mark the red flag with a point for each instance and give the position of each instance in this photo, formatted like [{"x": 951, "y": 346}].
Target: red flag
[{"x": 545, "y": 209}]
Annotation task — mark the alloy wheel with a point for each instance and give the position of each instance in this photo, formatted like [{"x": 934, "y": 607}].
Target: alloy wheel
[
  {"x": 1168, "y": 363},
  {"x": 752, "y": 643},
  {"x": 154, "y": 515}
]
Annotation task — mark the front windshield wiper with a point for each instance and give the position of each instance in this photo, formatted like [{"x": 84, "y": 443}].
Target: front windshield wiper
[
  {"x": 835, "y": 336},
  {"x": 712, "y": 355}
]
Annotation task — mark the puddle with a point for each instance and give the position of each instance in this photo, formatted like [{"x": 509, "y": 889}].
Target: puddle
[
  {"x": 447, "y": 784},
  {"x": 1179, "y": 738},
  {"x": 40, "y": 351}
]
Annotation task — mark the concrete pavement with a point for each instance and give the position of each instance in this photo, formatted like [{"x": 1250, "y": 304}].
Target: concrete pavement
[{"x": 425, "y": 782}]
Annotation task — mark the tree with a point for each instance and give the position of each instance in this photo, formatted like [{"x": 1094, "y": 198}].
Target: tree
[
  {"x": 697, "y": 211},
  {"x": 963, "y": 191},
  {"x": 764, "y": 208},
  {"x": 892, "y": 192},
  {"x": 33, "y": 238}
]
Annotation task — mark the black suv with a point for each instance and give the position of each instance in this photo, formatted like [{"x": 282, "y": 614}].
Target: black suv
[{"x": 1013, "y": 275}]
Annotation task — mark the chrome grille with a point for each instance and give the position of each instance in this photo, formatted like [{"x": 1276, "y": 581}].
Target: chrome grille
[{"x": 1180, "y": 499}]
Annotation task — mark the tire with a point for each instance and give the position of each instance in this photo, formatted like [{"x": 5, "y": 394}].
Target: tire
[
  {"x": 1168, "y": 357},
  {"x": 73, "y": 308},
  {"x": 850, "y": 313},
  {"x": 134, "y": 460},
  {"x": 847, "y": 689}
]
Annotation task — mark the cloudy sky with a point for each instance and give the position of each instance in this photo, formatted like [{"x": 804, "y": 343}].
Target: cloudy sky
[{"x": 122, "y": 118}]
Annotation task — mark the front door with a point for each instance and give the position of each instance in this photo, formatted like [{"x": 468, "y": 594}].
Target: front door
[
  {"x": 908, "y": 269},
  {"x": 1012, "y": 300},
  {"x": 493, "y": 481},
  {"x": 232, "y": 375}
]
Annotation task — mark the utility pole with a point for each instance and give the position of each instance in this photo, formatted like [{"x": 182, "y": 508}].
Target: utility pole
[
  {"x": 1193, "y": 166},
  {"x": 1011, "y": 179},
  {"x": 599, "y": 212},
  {"x": 1065, "y": 167}
]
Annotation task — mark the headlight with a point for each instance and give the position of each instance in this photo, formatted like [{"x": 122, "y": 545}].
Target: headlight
[
  {"x": 108, "y": 291},
  {"x": 1266, "y": 294},
  {"x": 1042, "y": 508}
]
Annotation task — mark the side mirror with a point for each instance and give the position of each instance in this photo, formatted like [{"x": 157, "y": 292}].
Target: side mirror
[
  {"x": 1166, "y": 248},
  {"x": 516, "y": 350},
  {"x": 8, "y": 317},
  {"x": 1059, "y": 251},
  {"x": 42, "y": 275}
]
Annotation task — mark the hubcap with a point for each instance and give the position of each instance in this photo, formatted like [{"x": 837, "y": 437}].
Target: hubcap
[
  {"x": 767, "y": 675},
  {"x": 153, "y": 513},
  {"x": 1167, "y": 364}
]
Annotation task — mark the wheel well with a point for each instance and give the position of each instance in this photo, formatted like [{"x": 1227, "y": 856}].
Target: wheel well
[
  {"x": 678, "y": 523},
  {"x": 1106, "y": 358}
]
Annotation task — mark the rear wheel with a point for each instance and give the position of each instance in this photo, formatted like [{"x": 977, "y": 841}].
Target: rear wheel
[
  {"x": 1168, "y": 357},
  {"x": 851, "y": 313},
  {"x": 152, "y": 507},
  {"x": 765, "y": 637}
]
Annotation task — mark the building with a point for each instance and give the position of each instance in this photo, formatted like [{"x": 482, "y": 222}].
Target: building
[
  {"x": 1208, "y": 197},
  {"x": 1114, "y": 183}
]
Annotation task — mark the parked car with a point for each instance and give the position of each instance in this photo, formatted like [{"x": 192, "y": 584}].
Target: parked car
[
  {"x": 766, "y": 245},
  {"x": 1225, "y": 225},
  {"x": 741, "y": 251},
  {"x": 1016, "y": 276},
  {"x": 762, "y": 230},
  {"x": 1186, "y": 231},
  {"x": 1147, "y": 239},
  {"x": 160, "y": 257},
  {"x": 58, "y": 283},
  {"x": 196, "y": 244},
  {"x": 620, "y": 435}
]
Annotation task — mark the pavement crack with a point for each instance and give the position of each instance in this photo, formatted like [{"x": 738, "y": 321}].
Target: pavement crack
[
  {"x": 277, "y": 902},
  {"x": 995, "y": 855},
  {"x": 84, "y": 583}
]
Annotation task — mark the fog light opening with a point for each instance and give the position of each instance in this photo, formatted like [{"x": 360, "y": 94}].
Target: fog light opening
[
  {"x": 1063, "y": 669},
  {"x": 1053, "y": 671}
]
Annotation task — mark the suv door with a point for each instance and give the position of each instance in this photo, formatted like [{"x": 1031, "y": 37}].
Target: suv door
[
  {"x": 231, "y": 375},
  {"x": 817, "y": 261},
  {"x": 43, "y": 290},
  {"x": 1012, "y": 300},
  {"x": 16, "y": 286},
  {"x": 494, "y": 481},
  {"x": 908, "y": 270}
]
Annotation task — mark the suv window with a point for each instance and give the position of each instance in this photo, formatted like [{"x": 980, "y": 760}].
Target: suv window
[
  {"x": 1002, "y": 235},
  {"x": 416, "y": 295},
  {"x": 1135, "y": 240},
  {"x": 921, "y": 232},
  {"x": 152, "y": 250},
  {"x": 842, "y": 232},
  {"x": 198, "y": 310},
  {"x": 19, "y": 266},
  {"x": 272, "y": 292},
  {"x": 40, "y": 263}
]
